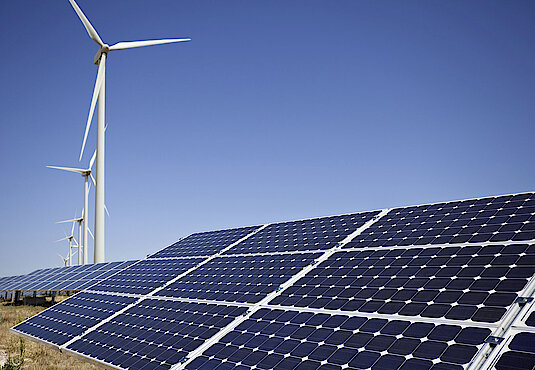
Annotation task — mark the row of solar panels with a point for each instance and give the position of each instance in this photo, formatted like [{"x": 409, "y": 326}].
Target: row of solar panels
[
  {"x": 426, "y": 287},
  {"x": 69, "y": 278}
]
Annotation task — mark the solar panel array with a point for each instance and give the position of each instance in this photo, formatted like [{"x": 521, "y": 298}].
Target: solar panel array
[
  {"x": 69, "y": 278},
  {"x": 444, "y": 286}
]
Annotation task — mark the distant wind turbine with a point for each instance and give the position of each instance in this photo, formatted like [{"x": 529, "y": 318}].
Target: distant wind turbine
[
  {"x": 86, "y": 174},
  {"x": 78, "y": 220},
  {"x": 64, "y": 259},
  {"x": 99, "y": 93},
  {"x": 70, "y": 238}
]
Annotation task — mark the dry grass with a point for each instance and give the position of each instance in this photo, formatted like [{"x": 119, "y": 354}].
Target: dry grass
[{"x": 36, "y": 356}]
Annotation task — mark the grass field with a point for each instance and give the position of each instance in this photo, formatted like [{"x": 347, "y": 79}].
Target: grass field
[{"x": 35, "y": 356}]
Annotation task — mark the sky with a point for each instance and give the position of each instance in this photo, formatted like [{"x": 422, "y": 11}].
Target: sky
[{"x": 276, "y": 110}]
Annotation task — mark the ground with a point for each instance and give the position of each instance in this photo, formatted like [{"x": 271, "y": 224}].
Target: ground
[{"x": 36, "y": 356}]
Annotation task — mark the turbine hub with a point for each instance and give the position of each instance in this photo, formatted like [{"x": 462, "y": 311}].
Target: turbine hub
[{"x": 103, "y": 50}]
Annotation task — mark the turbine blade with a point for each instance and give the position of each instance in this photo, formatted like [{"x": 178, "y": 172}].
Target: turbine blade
[
  {"x": 92, "y": 161},
  {"x": 90, "y": 233},
  {"x": 70, "y": 169},
  {"x": 106, "y": 209},
  {"x": 89, "y": 28},
  {"x": 93, "y": 179},
  {"x": 62, "y": 239},
  {"x": 96, "y": 92},
  {"x": 72, "y": 229},
  {"x": 65, "y": 221},
  {"x": 138, "y": 44}
]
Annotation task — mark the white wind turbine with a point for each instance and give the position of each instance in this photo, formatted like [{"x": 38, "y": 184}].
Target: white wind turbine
[
  {"x": 70, "y": 238},
  {"x": 64, "y": 259},
  {"x": 99, "y": 93},
  {"x": 86, "y": 174},
  {"x": 79, "y": 221}
]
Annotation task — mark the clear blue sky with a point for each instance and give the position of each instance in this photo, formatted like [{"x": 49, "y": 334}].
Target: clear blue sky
[{"x": 277, "y": 110}]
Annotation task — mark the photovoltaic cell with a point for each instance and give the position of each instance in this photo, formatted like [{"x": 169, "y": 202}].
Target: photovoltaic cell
[
  {"x": 239, "y": 279},
  {"x": 314, "y": 234},
  {"x": 204, "y": 244},
  {"x": 71, "y": 317},
  {"x": 460, "y": 283},
  {"x": 503, "y": 218},
  {"x": 145, "y": 276},
  {"x": 155, "y": 334},
  {"x": 277, "y": 339}
]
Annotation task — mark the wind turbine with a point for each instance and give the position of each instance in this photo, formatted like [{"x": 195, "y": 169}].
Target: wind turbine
[
  {"x": 64, "y": 259},
  {"x": 86, "y": 174},
  {"x": 78, "y": 220},
  {"x": 70, "y": 238},
  {"x": 99, "y": 93}
]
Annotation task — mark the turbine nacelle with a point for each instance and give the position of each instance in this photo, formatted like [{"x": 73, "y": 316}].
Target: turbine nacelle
[{"x": 103, "y": 50}]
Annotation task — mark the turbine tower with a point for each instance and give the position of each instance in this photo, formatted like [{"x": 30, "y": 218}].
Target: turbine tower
[
  {"x": 99, "y": 93},
  {"x": 86, "y": 174}
]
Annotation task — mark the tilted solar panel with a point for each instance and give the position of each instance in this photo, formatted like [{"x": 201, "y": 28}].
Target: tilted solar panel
[
  {"x": 72, "y": 317},
  {"x": 69, "y": 278},
  {"x": 290, "y": 339},
  {"x": 155, "y": 333},
  {"x": 475, "y": 283},
  {"x": 314, "y": 234},
  {"x": 245, "y": 279},
  {"x": 443, "y": 286},
  {"x": 494, "y": 219},
  {"x": 145, "y": 276},
  {"x": 204, "y": 244}
]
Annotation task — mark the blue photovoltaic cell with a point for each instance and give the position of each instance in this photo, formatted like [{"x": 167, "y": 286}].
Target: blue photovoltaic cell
[
  {"x": 239, "y": 279},
  {"x": 155, "y": 334},
  {"x": 510, "y": 217},
  {"x": 145, "y": 276},
  {"x": 314, "y": 234},
  {"x": 277, "y": 339},
  {"x": 204, "y": 244},
  {"x": 460, "y": 283},
  {"x": 70, "y": 318}
]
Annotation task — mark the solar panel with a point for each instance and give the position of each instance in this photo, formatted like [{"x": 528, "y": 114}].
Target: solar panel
[
  {"x": 204, "y": 244},
  {"x": 475, "y": 283},
  {"x": 155, "y": 333},
  {"x": 442, "y": 286},
  {"x": 319, "y": 233},
  {"x": 495, "y": 219},
  {"x": 71, "y": 317},
  {"x": 71, "y": 278},
  {"x": 304, "y": 340},
  {"x": 239, "y": 279},
  {"x": 145, "y": 276}
]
